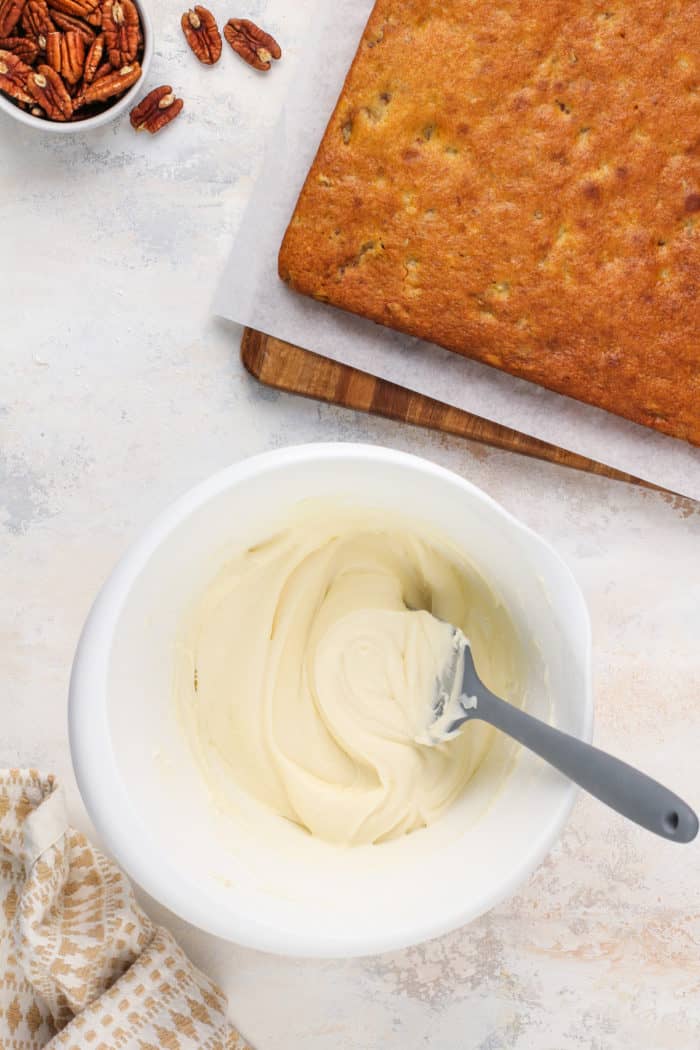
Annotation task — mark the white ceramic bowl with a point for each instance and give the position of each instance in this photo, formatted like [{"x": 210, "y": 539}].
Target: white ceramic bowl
[
  {"x": 72, "y": 127},
  {"x": 143, "y": 788}
]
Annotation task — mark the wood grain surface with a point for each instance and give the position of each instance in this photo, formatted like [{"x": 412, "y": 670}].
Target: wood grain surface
[{"x": 287, "y": 367}]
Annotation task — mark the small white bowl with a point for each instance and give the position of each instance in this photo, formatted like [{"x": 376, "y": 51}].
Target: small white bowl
[
  {"x": 221, "y": 870},
  {"x": 71, "y": 127}
]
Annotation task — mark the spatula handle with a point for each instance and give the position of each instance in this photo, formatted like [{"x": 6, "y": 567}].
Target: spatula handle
[{"x": 620, "y": 786}]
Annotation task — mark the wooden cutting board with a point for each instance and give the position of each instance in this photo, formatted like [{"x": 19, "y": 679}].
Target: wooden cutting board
[{"x": 286, "y": 367}]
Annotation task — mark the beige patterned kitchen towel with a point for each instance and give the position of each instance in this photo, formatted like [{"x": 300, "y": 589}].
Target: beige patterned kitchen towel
[{"x": 81, "y": 965}]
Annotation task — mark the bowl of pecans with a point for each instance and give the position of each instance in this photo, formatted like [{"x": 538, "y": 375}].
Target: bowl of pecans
[{"x": 71, "y": 65}]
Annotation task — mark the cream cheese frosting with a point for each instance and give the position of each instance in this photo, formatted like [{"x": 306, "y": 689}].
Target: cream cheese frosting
[{"x": 310, "y": 663}]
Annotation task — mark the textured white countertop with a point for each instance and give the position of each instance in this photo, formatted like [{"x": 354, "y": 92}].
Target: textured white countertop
[{"x": 118, "y": 390}]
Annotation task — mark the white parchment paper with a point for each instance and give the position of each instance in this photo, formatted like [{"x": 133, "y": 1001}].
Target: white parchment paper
[{"x": 251, "y": 293}]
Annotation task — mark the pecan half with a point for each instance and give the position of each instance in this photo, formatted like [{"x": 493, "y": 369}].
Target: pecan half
[
  {"x": 10, "y": 12},
  {"x": 254, "y": 45},
  {"x": 23, "y": 46},
  {"x": 67, "y": 22},
  {"x": 77, "y": 8},
  {"x": 53, "y": 50},
  {"x": 114, "y": 83},
  {"x": 202, "y": 34},
  {"x": 46, "y": 87},
  {"x": 72, "y": 56},
  {"x": 157, "y": 109},
  {"x": 121, "y": 25},
  {"x": 65, "y": 52},
  {"x": 14, "y": 74},
  {"x": 93, "y": 58},
  {"x": 36, "y": 22}
]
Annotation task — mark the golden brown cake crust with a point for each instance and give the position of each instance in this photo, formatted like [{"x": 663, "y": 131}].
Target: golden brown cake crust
[{"x": 520, "y": 182}]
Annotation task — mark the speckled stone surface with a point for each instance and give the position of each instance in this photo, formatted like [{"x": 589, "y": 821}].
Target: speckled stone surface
[{"x": 118, "y": 390}]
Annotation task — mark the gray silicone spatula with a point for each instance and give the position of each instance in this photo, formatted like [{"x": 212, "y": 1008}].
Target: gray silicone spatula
[{"x": 460, "y": 695}]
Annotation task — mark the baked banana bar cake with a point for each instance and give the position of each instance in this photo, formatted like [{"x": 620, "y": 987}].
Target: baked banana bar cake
[{"x": 520, "y": 183}]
